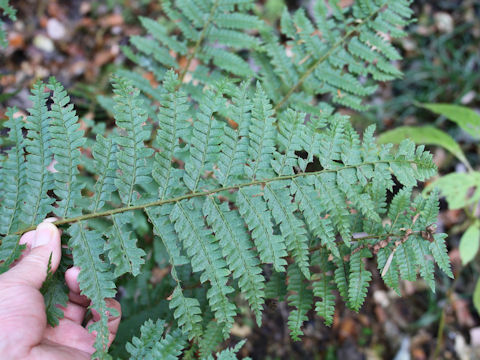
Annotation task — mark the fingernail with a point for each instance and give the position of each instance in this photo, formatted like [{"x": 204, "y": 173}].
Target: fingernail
[{"x": 44, "y": 233}]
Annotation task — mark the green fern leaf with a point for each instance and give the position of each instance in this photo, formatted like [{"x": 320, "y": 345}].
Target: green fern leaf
[
  {"x": 262, "y": 137},
  {"x": 254, "y": 211},
  {"x": 37, "y": 204},
  {"x": 187, "y": 312},
  {"x": 67, "y": 138},
  {"x": 13, "y": 174},
  {"x": 205, "y": 256},
  {"x": 206, "y": 139},
  {"x": 10, "y": 250},
  {"x": 293, "y": 230},
  {"x": 301, "y": 298},
  {"x": 95, "y": 280},
  {"x": 122, "y": 248},
  {"x": 104, "y": 154},
  {"x": 440, "y": 254},
  {"x": 358, "y": 280},
  {"x": 236, "y": 248}
]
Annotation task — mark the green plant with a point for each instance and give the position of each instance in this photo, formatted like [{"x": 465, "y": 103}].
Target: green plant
[
  {"x": 250, "y": 187},
  {"x": 8, "y": 11},
  {"x": 461, "y": 189}
]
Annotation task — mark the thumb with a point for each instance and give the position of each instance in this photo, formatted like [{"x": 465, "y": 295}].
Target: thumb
[{"x": 32, "y": 269}]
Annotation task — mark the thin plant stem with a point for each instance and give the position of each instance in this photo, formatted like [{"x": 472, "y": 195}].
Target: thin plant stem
[{"x": 205, "y": 193}]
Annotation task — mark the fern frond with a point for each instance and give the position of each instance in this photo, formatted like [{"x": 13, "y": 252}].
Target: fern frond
[
  {"x": 230, "y": 354},
  {"x": 151, "y": 344},
  {"x": 10, "y": 250},
  {"x": 237, "y": 250},
  {"x": 254, "y": 211},
  {"x": 37, "y": 204},
  {"x": 95, "y": 279},
  {"x": 261, "y": 136},
  {"x": 440, "y": 254},
  {"x": 173, "y": 125},
  {"x": 358, "y": 280},
  {"x": 164, "y": 229},
  {"x": 235, "y": 143},
  {"x": 210, "y": 340},
  {"x": 105, "y": 162},
  {"x": 131, "y": 158},
  {"x": 187, "y": 312},
  {"x": 67, "y": 138},
  {"x": 14, "y": 175},
  {"x": 205, "y": 255},
  {"x": 293, "y": 230},
  {"x": 206, "y": 139},
  {"x": 309, "y": 204},
  {"x": 301, "y": 298},
  {"x": 122, "y": 246},
  {"x": 323, "y": 287}
]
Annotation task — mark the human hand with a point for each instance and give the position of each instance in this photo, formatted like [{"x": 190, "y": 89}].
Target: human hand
[{"x": 24, "y": 333}]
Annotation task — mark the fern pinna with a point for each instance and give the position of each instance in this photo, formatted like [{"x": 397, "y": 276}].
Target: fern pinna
[{"x": 253, "y": 189}]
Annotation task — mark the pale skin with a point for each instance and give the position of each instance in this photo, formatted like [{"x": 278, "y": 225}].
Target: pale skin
[{"x": 24, "y": 332}]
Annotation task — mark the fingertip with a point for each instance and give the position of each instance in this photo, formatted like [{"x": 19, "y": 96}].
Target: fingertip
[
  {"x": 27, "y": 238},
  {"x": 71, "y": 278},
  {"x": 45, "y": 251}
]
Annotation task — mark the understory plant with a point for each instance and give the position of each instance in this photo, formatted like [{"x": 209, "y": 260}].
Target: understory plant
[
  {"x": 230, "y": 168},
  {"x": 460, "y": 189}
]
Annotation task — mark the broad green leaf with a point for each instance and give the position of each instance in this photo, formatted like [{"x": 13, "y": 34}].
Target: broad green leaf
[
  {"x": 455, "y": 187},
  {"x": 469, "y": 243},
  {"x": 427, "y": 135},
  {"x": 464, "y": 117},
  {"x": 476, "y": 296}
]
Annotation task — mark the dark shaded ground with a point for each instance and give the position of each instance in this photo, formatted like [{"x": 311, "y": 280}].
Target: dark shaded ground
[{"x": 79, "y": 42}]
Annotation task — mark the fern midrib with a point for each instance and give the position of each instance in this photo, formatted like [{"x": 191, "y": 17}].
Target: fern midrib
[
  {"x": 231, "y": 159},
  {"x": 70, "y": 167},
  {"x": 198, "y": 43},
  {"x": 135, "y": 156},
  {"x": 301, "y": 294},
  {"x": 260, "y": 145},
  {"x": 102, "y": 179},
  {"x": 171, "y": 149},
  {"x": 320, "y": 60},
  {"x": 18, "y": 150},
  {"x": 323, "y": 303},
  {"x": 357, "y": 287},
  {"x": 204, "y": 152},
  {"x": 43, "y": 176},
  {"x": 206, "y": 193}
]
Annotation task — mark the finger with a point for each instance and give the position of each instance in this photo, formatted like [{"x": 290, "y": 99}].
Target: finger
[
  {"x": 53, "y": 351},
  {"x": 74, "y": 312},
  {"x": 78, "y": 299},
  {"x": 71, "y": 278},
  {"x": 32, "y": 269},
  {"x": 71, "y": 334},
  {"x": 113, "y": 321}
]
